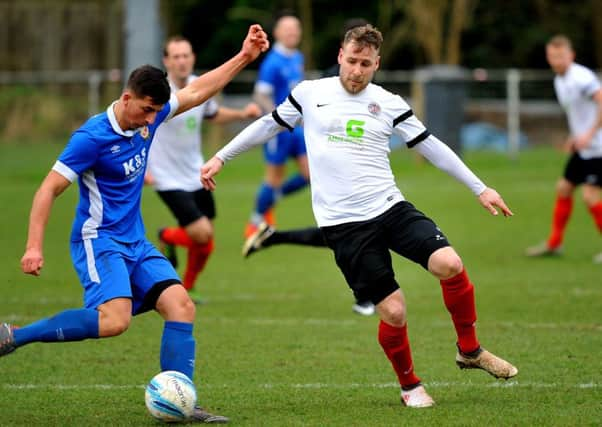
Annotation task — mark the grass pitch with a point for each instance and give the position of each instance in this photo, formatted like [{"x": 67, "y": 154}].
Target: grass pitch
[{"x": 277, "y": 344}]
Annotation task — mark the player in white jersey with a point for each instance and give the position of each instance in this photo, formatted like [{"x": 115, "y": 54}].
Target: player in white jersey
[
  {"x": 348, "y": 122},
  {"x": 579, "y": 92},
  {"x": 174, "y": 163},
  {"x": 121, "y": 272}
]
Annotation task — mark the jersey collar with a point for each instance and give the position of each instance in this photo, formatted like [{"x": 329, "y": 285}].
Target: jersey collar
[
  {"x": 280, "y": 48},
  {"x": 115, "y": 124}
]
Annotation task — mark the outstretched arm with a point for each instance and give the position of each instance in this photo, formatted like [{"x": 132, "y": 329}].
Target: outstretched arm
[
  {"x": 445, "y": 159},
  {"x": 207, "y": 85},
  {"x": 52, "y": 186},
  {"x": 228, "y": 115},
  {"x": 256, "y": 133}
]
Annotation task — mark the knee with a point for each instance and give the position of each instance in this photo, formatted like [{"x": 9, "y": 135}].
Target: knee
[
  {"x": 591, "y": 198},
  {"x": 200, "y": 232},
  {"x": 112, "y": 325},
  {"x": 179, "y": 309},
  {"x": 394, "y": 313},
  {"x": 445, "y": 266},
  {"x": 183, "y": 310},
  {"x": 564, "y": 188}
]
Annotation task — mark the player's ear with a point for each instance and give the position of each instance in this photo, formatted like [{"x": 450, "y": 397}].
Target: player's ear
[
  {"x": 126, "y": 96},
  {"x": 340, "y": 58},
  {"x": 377, "y": 64}
]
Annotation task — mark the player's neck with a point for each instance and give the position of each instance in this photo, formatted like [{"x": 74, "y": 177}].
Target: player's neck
[{"x": 119, "y": 115}]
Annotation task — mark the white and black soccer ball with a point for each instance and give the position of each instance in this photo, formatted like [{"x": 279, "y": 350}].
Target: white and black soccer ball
[{"x": 170, "y": 396}]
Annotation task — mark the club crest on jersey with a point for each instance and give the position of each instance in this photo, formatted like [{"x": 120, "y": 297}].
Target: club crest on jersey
[
  {"x": 144, "y": 132},
  {"x": 374, "y": 108}
]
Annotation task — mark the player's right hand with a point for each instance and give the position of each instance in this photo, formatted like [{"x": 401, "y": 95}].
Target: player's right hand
[
  {"x": 208, "y": 171},
  {"x": 255, "y": 42},
  {"x": 32, "y": 262}
]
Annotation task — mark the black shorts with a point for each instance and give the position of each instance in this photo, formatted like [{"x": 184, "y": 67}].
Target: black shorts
[
  {"x": 188, "y": 206},
  {"x": 584, "y": 171},
  {"x": 361, "y": 249}
]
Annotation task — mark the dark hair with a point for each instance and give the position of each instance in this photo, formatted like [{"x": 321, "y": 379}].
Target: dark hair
[
  {"x": 363, "y": 36},
  {"x": 150, "y": 81},
  {"x": 173, "y": 39}
]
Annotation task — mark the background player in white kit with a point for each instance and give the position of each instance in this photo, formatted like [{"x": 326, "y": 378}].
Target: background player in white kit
[
  {"x": 579, "y": 92},
  {"x": 348, "y": 122},
  {"x": 174, "y": 162}
]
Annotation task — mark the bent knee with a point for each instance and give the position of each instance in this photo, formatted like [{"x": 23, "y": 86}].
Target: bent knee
[
  {"x": 111, "y": 326},
  {"x": 445, "y": 263},
  {"x": 174, "y": 304}
]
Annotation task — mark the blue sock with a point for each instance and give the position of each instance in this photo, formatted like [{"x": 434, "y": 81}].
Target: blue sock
[
  {"x": 266, "y": 196},
  {"x": 69, "y": 325},
  {"x": 294, "y": 183},
  {"x": 177, "y": 348}
]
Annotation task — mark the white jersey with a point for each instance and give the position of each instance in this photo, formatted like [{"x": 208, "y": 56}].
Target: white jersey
[
  {"x": 175, "y": 157},
  {"x": 347, "y": 138},
  {"x": 574, "y": 91}
]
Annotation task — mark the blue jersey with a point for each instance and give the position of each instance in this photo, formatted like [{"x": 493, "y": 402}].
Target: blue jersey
[
  {"x": 109, "y": 164},
  {"x": 282, "y": 71}
]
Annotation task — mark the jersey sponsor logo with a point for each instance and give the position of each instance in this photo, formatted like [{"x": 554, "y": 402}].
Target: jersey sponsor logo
[
  {"x": 354, "y": 128},
  {"x": 374, "y": 108},
  {"x": 354, "y": 131},
  {"x": 191, "y": 123},
  {"x": 134, "y": 166},
  {"x": 115, "y": 149}
]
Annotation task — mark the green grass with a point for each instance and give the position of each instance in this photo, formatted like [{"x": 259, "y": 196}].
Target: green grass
[{"x": 277, "y": 344}]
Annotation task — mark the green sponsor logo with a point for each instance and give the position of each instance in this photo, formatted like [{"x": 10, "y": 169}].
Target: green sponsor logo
[
  {"x": 354, "y": 132},
  {"x": 191, "y": 123},
  {"x": 355, "y": 129}
]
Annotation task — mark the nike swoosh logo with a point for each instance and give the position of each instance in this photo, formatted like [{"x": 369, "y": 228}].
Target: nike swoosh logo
[{"x": 320, "y": 105}]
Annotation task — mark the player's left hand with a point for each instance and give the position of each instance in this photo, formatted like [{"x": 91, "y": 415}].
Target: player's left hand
[
  {"x": 209, "y": 169},
  {"x": 492, "y": 201},
  {"x": 255, "y": 42}
]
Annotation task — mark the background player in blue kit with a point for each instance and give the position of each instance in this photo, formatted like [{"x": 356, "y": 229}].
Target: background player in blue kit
[
  {"x": 121, "y": 272},
  {"x": 279, "y": 73}
]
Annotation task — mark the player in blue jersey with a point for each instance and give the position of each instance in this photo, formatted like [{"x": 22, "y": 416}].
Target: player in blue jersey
[
  {"x": 121, "y": 272},
  {"x": 279, "y": 73}
]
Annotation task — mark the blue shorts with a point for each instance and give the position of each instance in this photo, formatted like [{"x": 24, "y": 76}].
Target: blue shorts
[
  {"x": 286, "y": 144},
  {"x": 108, "y": 269}
]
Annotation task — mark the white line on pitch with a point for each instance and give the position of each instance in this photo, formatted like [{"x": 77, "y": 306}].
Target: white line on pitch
[{"x": 315, "y": 386}]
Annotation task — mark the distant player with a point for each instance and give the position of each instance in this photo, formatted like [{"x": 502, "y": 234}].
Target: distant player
[
  {"x": 579, "y": 93},
  {"x": 121, "y": 272},
  {"x": 348, "y": 122},
  {"x": 174, "y": 163},
  {"x": 279, "y": 73}
]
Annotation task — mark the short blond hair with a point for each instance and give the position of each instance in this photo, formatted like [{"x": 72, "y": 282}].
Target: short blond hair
[{"x": 364, "y": 35}]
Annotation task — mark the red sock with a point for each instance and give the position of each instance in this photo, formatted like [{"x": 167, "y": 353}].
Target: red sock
[
  {"x": 176, "y": 236},
  {"x": 562, "y": 213},
  {"x": 596, "y": 212},
  {"x": 197, "y": 259},
  {"x": 458, "y": 295},
  {"x": 396, "y": 345}
]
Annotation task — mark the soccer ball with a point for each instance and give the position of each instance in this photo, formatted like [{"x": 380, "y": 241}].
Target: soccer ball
[{"x": 170, "y": 396}]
